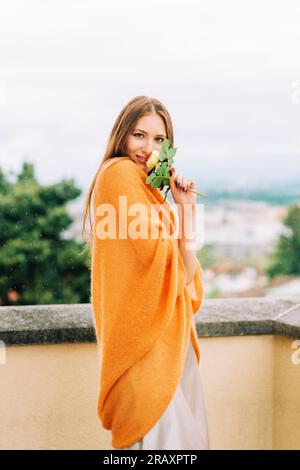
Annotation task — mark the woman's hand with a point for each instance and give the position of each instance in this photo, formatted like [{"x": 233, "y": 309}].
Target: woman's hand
[{"x": 179, "y": 193}]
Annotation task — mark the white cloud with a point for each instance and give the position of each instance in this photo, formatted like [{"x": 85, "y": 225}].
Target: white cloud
[{"x": 223, "y": 69}]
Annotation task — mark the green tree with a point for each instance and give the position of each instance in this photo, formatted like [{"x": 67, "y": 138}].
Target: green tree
[
  {"x": 286, "y": 257},
  {"x": 37, "y": 265}
]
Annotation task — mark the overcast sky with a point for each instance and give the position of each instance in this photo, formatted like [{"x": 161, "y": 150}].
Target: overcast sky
[{"x": 228, "y": 72}]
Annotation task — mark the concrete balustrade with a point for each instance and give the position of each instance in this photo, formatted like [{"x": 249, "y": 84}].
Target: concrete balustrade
[{"x": 250, "y": 369}]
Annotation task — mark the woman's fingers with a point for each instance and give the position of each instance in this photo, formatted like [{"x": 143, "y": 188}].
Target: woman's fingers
[
  {"x": 192, "y": 184},
  {"x": 181, "y": 181},
  {"x": 178, "y": 179}
]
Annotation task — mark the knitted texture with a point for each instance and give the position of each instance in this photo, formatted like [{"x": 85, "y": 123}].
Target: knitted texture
[{"x": 142, "y": 308}]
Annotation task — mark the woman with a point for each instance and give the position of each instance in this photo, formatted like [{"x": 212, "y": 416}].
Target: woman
[{"x": 145, "y": 290}]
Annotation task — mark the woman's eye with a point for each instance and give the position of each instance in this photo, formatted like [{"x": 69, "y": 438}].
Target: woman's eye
[{"x": 138, "y": 133}]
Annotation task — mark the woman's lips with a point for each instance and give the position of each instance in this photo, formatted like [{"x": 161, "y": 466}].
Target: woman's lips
[{"x": 143, "y": 160}]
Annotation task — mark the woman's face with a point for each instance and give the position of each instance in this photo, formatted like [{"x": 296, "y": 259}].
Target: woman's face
[{"x": 148, "y": 135}]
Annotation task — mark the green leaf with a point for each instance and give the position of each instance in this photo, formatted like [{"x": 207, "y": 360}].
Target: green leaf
[
  {"x": 158, "y": 171},
  {"x": 166, "y": 173},
  {"x": 150, "y": 178},
  {"x": 172, "y": 151},
  {"x": 165, "y": 145},
  {"x": 163, "y": 157},
  {"x": 157, "y": 182}
]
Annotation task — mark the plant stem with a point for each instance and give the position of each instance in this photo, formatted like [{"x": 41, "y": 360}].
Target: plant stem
[{"x": 199, "y": 194}]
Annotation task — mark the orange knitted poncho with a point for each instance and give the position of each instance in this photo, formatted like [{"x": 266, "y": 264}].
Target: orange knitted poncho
[{"x": 143, "y": 309}]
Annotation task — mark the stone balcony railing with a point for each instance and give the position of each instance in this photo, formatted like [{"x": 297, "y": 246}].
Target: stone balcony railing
[{"x": 250, "y": 369}]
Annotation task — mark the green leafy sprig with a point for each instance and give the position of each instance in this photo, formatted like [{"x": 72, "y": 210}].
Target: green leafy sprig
[{"x": 159, "y": 175}]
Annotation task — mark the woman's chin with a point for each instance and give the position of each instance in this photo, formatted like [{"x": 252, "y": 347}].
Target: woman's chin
[{"x": 143, "y": 167}]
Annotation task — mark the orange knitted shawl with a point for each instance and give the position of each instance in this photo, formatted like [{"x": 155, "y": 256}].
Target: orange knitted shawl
[{"x": 141, "y": 304}]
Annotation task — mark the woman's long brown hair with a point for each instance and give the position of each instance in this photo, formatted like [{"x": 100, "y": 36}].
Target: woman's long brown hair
[{"x": 116, "y": 147}]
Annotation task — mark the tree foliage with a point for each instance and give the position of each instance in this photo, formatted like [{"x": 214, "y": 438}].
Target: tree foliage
[
  {"x": 286, "y": 257},
  {"x": 37, "y": 265}
]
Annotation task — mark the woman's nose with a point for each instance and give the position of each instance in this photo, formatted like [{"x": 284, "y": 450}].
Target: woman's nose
[{"x": 148, "y": 147}]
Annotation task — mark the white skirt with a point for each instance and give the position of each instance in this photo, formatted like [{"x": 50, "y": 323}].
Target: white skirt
[{"x": 183, "y": 425}]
